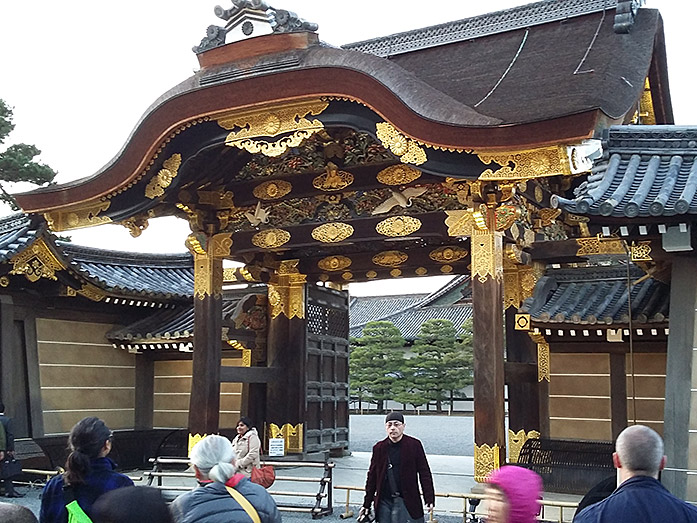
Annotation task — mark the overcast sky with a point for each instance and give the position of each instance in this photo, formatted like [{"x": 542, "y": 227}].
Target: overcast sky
[{"x": 79, "y": 74}]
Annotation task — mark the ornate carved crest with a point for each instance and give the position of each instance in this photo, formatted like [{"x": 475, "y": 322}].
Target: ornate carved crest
[
  {"x": 390, "y": 258},
  {"x": 332, "y": 179},
  {"x": 334, "y": 263},
  {"x": 396, "y": 226},
  {"x": 448, "y": 254},
  {"x": 332, "y": 232},
  {"x": 398, "y": 175},
  {"x": 406, "y": 148},
  {"x": 157, "y": 185},
  {"x": 271, "y": 238},
  {"x": 272, "y": 190}
]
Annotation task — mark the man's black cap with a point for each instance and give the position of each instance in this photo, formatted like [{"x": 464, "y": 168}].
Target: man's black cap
[{"x": 394, "y": 416}]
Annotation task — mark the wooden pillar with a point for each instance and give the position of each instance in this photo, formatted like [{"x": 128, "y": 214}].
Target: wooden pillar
[
  {"x": 681, "y": 383},
  {"x": 618, "y": 393},
  {"x": 487, "y": 299},
  {"x": 204, "y": 405},
  {"x": 285, "y": 396}
]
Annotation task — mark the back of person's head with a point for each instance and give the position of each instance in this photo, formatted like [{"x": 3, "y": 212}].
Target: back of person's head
[
  {"x": 214, "y": 457},
  {"x": 523, "y": 490},
  {"x": 11, "y": 513},
  {"x": 86, "y": 441},
  {"x": 640, "y": 450},
  {"x": 131, "y": 505}
]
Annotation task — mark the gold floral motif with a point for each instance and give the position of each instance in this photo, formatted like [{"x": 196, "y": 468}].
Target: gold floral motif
[
  {"x": 157, "y": 185},
  {"x": 293, "y": 435},
  {"x": 36, "y": 261},
  {"x": 407, "y": 149},
  {"x": 248, "y": 127},
  {"x": 398, "y": 175},
  {"x": 516, "y": 440},
  {"x": 421, "y": 271},
  {"x": 5, "y": 281},
  {"x": 395, "y": 273},
  {"x": 91, "y": 292},
  {"x": 396, "y": 226},
  {"x": 332, "y": 232},
  {"x": 526, "y": 164},
  {"x": 347, "y": 275},
  {"x": 505, "y": 216},
  {"x": 271, "y": 238},
  {"x": 220, "y": 244},
  {"x": 487, "y": 255},
  {"x": 371, "y": 274},
  {"x": 286, "y": 292},
  {"x": 486, "y": 460},
  {"x": 641, "y": 251},
  {"x": 332, "y": 179},
  {"x": 390, "y": 258},
  {"x": 208, "y": 275},
  {"x": 518, "y": 282},
  {"x": 599, "y": 245},
  {"x": 539, "y": 194},
  {"x": 547, "y": 216},
  {"x": 463, "y": 222},
  {"x": 543, "y": 372},
  {"x": 448, "y": 254},
  {"x": 75, "y": 218},
  {"x": 334, "y": 263},
  {"x": 229, "y": 275},
  {"x": 446, "y": 269},
  {"x": 272, "y": 190}
]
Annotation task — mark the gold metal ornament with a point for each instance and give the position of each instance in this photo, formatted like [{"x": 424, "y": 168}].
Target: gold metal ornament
[
  {"x": 397, "y": 226},
  {"x": 332, "y": 232},
  {"x": 463, "y": 222},
  {"x": 526, "y": 164},
  {"x": 91, "y": 292},
  {"x": 398, "y": 175},
  {"x": 486, "y": 460},
  {"x": 505, "y": 216},
  {"x": 208, "y": 275},
  {"x": 272, "y": 190},
  {"x": 37, "y": 261},
  {"x": 289, "y": 119},
  {"x": 347, "y": 275},
  {"x": 193, "y": 439},
  {"x": 516, "y": 440},
  {"x": 518, "y": 282},
  {"x": 332, "y": 179},
  {"x": 522, "y": 322},
  {"x": 75, "y": 218},
  {"x": 448, "y": 254},
  {"x": 218, "y": 199},
  {"x": 390, "y": 258},
  {"x": 286, "y": 291},
  {"x": 246, "y": 353},
  {"x": 157, "y": 185},
  {"x": 543, "y": 371},
  {"x": 395, "y": 273},
  {"x": 487, "y": 255},
  {"x": 5, "y": 281},
  {"x": 421, "y": 271},
  {"x": 334, "y": 263},
  {"x": 271, "y": 238},
  {"x": 371, "y": 274},
  {"x": 292, "y": 434},
  {"x": 407, "y": 149},
  {"x": 600, "y": 245},
  {"x": 640, "y": 251},
  {"x": 446, "y": 269},
  {"x": 547, "y": 216}
]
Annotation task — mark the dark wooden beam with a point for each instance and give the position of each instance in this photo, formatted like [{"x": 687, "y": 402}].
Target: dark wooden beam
[
  {"x": 517, "y": 373},
  {"x": 618, "y": 393},
  {"x": 249, "y": 374},
  {"x": 145, "y": 392},
  {"x": 560, "y": 346}
]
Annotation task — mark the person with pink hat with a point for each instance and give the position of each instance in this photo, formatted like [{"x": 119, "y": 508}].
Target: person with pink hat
[{"x": 513, "y": 495}]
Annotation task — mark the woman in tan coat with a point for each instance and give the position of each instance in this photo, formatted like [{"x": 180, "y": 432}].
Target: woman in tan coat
[{"x": 247, "y": 446}]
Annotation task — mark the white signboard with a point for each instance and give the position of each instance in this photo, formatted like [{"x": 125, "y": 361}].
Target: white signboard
[{"x": 277, "y": 447}]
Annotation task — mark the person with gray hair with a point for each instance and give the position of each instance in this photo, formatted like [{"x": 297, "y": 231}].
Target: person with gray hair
[
  {"x": 639, "y": 496},
  {"x": 12, "y": 513},
  {"x": 223, "y": 496}
]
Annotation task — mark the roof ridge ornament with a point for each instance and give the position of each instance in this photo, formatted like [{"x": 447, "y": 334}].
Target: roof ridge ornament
[
  {"x": 625, "y": 14},
  {"x": 248, "y": 19}
]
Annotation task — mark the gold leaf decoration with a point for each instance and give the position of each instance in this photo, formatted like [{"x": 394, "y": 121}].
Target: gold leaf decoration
[
  {"x": 75, "y": 218},
  {"x": 157, "y": 185},
  {"x": 271, "y": 238},
  {"x": 371, "y": 274},
  {"x": 334, "y": 263},
  {"x": 486, "y": 460},
  {"x": 505, "y": 216},
  {"x": 272, "y": 190},
  {"x": 487, "y": 255},
  {"x": 396, "y": 226},
  {"x": 547, "y": 216},
  {"x": 390, "y": 258},
  {"x": 406, "y": 148},
  {"x": 448, "y": 254},
  {"x": 395, "y": 273},
  {"x": 347, "y": 275},
  {"x": 289, "y": 119},
  {"x": 421, "y": 271},
  {"x": 516, "y": 440},
  {"x": 332, "y": 179},
  {"x": 332, "y": 232},
  {"x": 36, "y": 261},
  {"x": 446, "y": 269},
  {"x": 398, "y": 175},
  {"x": 526, "y": 164}
]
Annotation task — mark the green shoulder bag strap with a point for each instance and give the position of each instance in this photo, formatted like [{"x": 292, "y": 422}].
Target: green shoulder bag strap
[
  {"x": 75, "y": 512},
  {"x": 244, "y": 503}
]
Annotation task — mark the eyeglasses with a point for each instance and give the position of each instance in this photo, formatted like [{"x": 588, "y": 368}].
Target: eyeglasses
[{"x": 396, "y": 424}]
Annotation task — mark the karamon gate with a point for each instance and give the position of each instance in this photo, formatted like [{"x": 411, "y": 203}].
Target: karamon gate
[{"x": 404, "y": 156}]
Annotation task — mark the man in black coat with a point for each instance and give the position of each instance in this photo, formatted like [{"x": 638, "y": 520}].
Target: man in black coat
[
  {"x": 8, "y": 451},
  {"x": 397, "y": 467}
]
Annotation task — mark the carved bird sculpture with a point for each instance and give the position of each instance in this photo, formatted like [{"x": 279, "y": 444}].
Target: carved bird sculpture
[
  {"x": 260, "y": 215},
  {"x": 403, "y": 199}
]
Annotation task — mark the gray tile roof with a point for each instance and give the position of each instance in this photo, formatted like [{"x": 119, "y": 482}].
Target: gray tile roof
[
  {"x": 408, "y": 312},
  {"x": 470, "y": 28},
  {"x": 16, "y": 232},
  {"x": 649, "y": 171},
  {"x": 597, "y": 296},
  {"x": 165, "y": 276}
]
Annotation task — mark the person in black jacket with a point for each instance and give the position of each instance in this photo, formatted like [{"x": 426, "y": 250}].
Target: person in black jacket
[
  {"x": 640, "y": 497},
  {"x": 8, "y": 451}
]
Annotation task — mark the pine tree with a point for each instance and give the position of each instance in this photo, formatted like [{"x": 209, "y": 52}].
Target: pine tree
[
  {"x": 441, "y": 365},
  {"x": 17, "y": 161},
  {"x": 375, "y": 363}
]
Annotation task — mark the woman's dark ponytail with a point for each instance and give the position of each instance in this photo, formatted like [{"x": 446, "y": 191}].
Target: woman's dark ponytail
[{"x": 87, "y": 439}]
